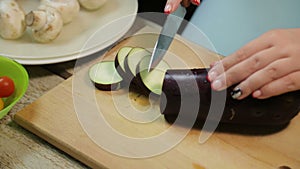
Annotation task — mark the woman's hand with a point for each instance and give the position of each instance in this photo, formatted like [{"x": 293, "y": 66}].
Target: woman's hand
[
  {"x": 267, "y": 66},
  {"x": 172, "y": 5}
]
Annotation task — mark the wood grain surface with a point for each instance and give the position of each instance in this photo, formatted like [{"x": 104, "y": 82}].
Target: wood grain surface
[
  {"x": 22, "y": 149},
  {"x": 56, "y": 119},
  {"x": 17, "y": 153}
]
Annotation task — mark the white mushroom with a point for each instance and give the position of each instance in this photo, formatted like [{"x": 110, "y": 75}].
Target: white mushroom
[
  {"x": 68, "y": 9},
  {"x": 46, "y": 23},
  {"x": 92, "y": 4},
  {"x": 12, "y": 20}
]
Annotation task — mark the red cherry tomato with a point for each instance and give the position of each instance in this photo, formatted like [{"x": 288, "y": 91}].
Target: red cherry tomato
[{"x": 7, "y": 86}]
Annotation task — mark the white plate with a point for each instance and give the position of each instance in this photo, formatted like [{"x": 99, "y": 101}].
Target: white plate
[
  {"x": 98, "y": 28},
  {"x": 89, "y": 47},
  {"x": 48, "y": 60}
]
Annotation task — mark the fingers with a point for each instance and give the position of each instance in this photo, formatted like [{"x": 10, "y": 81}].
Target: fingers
[
  {"x": 256, "y": 72},
  {"x": 283, "y": 85},
  {"x": 196, "y": 2},
  {"x": 265, "y": 67},
  {"x": 246, "y": 68},
  {"x": 270, "y": 73},
  {"x": 245, "y": 52},
  {"x": 172, "y": 5},
  {"x": 186, "y": 3}
]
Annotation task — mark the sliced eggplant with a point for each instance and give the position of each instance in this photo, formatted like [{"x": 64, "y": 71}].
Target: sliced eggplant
[
  {"x": 133, "y": 59},
  {"x": 120, "y": 59},
  {"x": 187, "y": 92},
  {"x": 105, "y": 76},
  {"x": 183, "y": 89},
  {"x": 151, "y": 81}
]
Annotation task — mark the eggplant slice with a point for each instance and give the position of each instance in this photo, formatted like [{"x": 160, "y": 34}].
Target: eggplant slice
[
  {"x": 151, "y": 81},
  {"x": 105, "y": 76},
  {"x": 133, "y": 59},
  {"x": 120, "y": 60}
]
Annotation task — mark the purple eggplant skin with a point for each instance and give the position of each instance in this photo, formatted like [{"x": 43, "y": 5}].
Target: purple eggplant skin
[
  {"x": 126, "y": 77},
  {"x": 108, "y": 87},
  {"x": 194, "y": 86},
  {"x": 118, "y": 68},
  {"x": 139, "y": 85}
]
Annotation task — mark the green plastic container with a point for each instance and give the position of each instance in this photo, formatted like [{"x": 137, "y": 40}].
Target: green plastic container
[{"x": 19, "y": 75}]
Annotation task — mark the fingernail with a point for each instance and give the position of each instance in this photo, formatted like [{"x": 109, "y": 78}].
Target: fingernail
[
  {"x": 236, "y": 93},
  {"x": 256, "y": 94},
  {"x": 216, "y": 85},
  {"x": 212, "y": 76},
  {"x": 207, "y": 78},
  {"x": 197, "y": 2},
  {"x": 168, "y": 9}
]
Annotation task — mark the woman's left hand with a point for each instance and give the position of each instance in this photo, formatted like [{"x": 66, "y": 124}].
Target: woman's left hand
[{"x": 267, "y": 66}]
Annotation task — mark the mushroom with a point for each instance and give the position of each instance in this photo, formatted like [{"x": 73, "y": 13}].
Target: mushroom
[
  {"x": 12, "y": 20},
  {"x": 68, "y": 9},
  {"x": 91, "y": 4},
  {"x": 46, "y": 23}
]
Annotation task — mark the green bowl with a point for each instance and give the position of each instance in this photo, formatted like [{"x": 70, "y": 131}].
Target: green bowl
[{"x": 19, "y": 75}]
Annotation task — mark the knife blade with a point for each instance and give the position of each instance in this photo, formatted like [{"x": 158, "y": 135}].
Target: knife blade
[{"x": 166, "y": 36}]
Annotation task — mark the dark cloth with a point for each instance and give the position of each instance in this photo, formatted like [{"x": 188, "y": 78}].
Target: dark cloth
[{"x": 158, "y": 6}]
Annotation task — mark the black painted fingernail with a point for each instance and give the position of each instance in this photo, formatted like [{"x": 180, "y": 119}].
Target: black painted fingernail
[{"x": 236, "y": 93}]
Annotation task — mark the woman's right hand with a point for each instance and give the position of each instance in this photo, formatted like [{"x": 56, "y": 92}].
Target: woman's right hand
[{"x": 172, "y": 5}]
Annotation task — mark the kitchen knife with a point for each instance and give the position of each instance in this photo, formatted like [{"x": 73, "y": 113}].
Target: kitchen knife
[{"x": 166, "y": 36}]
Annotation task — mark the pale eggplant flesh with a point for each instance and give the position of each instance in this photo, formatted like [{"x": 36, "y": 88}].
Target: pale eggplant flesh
[
  {"x": 104, "y": 76},
  {"x": 150, "y": 81},
  {"x": 133, "y": 59},
  {"x": 120, "y": 62}
]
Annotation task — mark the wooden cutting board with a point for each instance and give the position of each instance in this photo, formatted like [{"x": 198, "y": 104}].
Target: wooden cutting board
[{"x": 75, "y": 118}]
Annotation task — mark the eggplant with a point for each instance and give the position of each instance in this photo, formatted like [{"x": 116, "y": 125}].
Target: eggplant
[
  {"x": 150, "y": 81},
  {"x": 127, "y": 60},
  {"x": 132, "y": 60},
  {"x": 123, "y": 69},
  {"x": 104, "y": 76},
  {"x": 188, "y": 92},
  {"x": 120, "y": 59}
]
